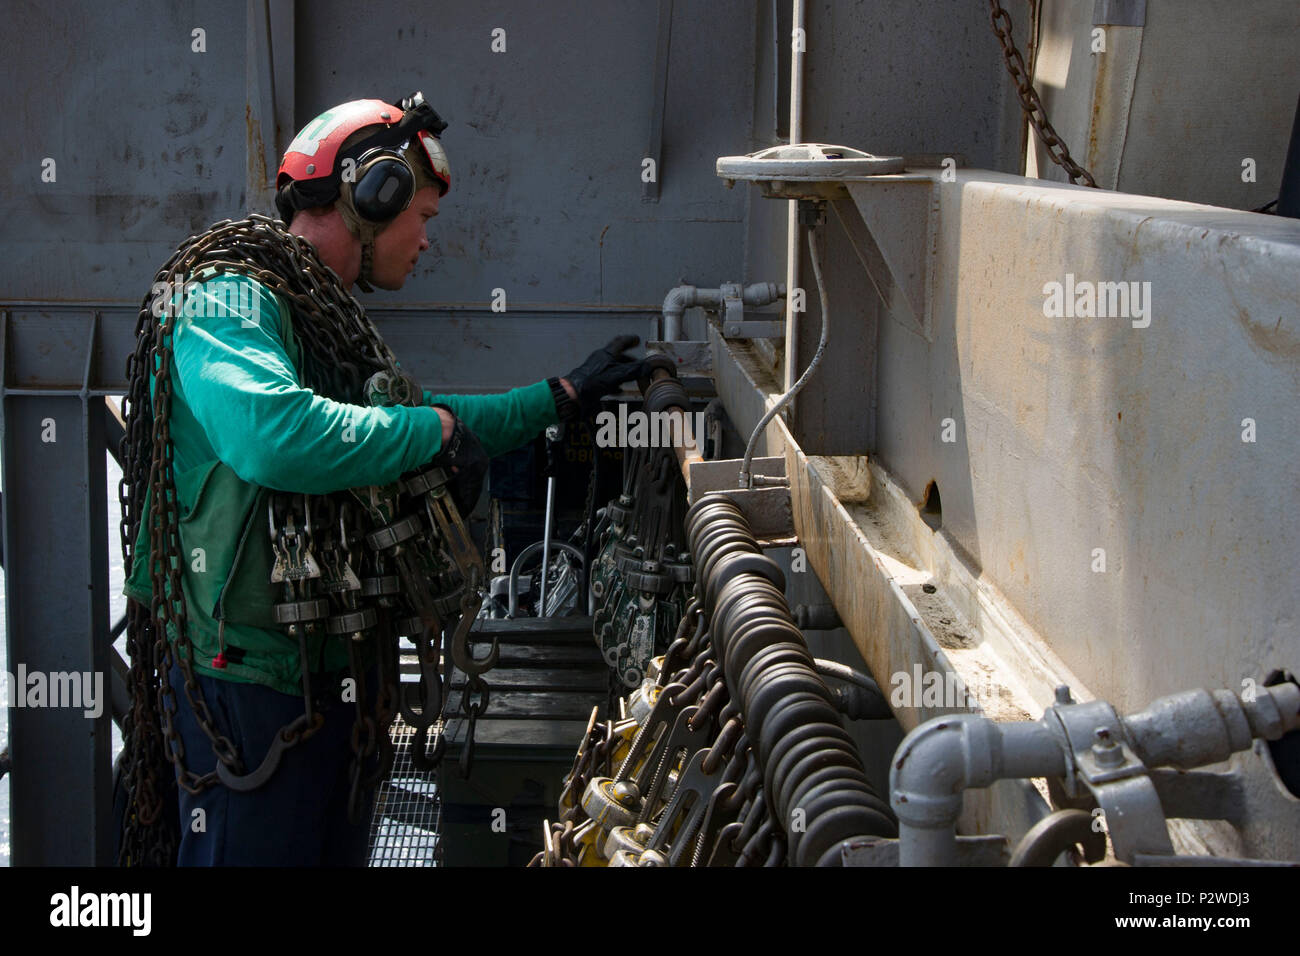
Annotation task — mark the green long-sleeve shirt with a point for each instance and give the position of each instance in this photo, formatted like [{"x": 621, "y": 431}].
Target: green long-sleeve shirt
[{"x": 241, "y": 422}]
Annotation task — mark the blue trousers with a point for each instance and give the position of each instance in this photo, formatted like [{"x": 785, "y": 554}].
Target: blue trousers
[{"x": 297, "y": 818}]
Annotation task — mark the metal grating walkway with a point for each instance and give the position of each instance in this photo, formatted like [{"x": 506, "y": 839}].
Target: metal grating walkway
[
  {"x": 549, "y": 676},
  {"x": 405, "y": 827}
]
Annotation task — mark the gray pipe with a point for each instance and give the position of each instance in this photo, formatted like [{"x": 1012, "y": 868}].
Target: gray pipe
[
  {"x": 943, "y": 757},
  {"x": 684, "y": 297},
  {"x": 762, "y": 293},
  {"x": 792, "y": 232},
  {"x": 810, "y": 617},
  {"x": 940, "y": 759},
  {"x": 1197, "y": 727},
  {"x": 678, "y": 300}
]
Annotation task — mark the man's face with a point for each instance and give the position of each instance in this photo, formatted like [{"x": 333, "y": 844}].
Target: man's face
[{"x": 399, "y": 246}]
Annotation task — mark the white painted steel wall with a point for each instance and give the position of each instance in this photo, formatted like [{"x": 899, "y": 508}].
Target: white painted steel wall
[
  {"x": 1082, "y": 434},
  {"x": 1173, "y": 107}
]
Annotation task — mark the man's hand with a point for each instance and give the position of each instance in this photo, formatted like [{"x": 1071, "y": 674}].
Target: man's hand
[
  {"x": 603, "y": 371},
  {"x": 464, "y": 460}
]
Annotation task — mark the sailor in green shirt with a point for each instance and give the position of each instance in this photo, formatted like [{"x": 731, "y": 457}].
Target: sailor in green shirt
[{"x": 358, "y": 187}]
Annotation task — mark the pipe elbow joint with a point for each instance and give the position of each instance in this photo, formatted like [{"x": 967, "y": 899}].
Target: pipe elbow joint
[
  {"x": 678, "y": 300},
  {"x": 936, "y": 762}
]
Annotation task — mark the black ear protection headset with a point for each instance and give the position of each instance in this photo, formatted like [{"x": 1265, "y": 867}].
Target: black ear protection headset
[{"x": 383, "y": 183}]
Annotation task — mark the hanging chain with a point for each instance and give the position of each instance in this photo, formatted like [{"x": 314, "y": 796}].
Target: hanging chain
[{"x": 1029, "y": 101}]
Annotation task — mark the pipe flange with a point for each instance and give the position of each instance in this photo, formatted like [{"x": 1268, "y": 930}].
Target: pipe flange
[{"x": 1075, "y": 726}]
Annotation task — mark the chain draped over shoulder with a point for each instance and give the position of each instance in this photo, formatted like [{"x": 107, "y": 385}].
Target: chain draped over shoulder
[{"x": 365, "y": 566}]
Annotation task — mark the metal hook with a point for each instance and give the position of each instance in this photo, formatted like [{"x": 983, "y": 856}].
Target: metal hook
[
  {"x": 461, "y": 654},
  {"x": 418, "y": 756}
]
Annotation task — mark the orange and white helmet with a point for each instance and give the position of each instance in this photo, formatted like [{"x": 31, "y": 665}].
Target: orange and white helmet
[{"x": 364, "y": 153}]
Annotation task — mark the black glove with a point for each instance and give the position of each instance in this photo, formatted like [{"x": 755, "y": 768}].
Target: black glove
[
  {"x": 604, "y": 371},
  {"x": 465, "y": 462}
]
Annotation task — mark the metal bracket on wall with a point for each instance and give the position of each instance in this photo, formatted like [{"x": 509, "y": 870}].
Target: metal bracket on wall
[
  {"x": 892, "y": 224},
  {"x": 888, "y": 206},
  {"x": 754, "y": 329},
  {"x": 971, "y": 851},
  {"x": 1105, "y": 764},
  {"x": 735, "y": 323},
  {"x": 766, "y": 505}
]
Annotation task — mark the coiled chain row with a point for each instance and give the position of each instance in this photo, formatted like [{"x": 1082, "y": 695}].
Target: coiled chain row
[{"x": 732, "y": 752}]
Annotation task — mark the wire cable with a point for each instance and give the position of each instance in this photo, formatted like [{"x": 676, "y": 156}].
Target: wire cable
[{"x": 746, "y": 479}]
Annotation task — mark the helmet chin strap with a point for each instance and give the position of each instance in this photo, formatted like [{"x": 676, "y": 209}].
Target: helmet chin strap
[
  {"x": 368, "y": 233},
  {"x": 363, "y": 230}
]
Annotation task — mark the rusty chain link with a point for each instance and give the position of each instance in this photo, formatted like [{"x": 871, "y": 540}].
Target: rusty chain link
[{"x": 1029, "y": 100}]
